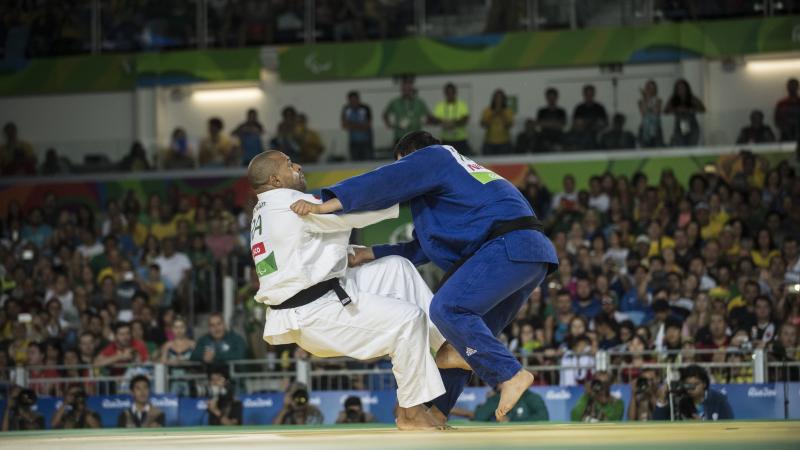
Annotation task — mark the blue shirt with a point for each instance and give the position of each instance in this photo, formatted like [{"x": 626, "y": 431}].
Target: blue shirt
[
  {"x": 589, "y": 311},
  {"x": 454, "y": 202},
  {"x": 359, "y": 114}
]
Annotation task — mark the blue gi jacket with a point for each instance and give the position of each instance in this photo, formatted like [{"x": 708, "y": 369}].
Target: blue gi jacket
[{"x": 454, "y": 202}]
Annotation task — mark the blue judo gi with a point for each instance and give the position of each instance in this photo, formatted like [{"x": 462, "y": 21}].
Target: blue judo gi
[{"x": 454, "y": 202}]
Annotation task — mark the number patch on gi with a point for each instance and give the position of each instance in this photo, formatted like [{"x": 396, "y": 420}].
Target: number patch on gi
[{"x": 477, "y": 171}]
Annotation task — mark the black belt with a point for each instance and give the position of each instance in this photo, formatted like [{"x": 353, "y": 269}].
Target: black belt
[
  {"x": 313, "y": 293},
  {"x": 498, "y": 229}
]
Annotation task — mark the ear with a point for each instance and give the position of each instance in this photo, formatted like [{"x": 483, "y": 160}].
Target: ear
[{"x": 275, "y": 181}]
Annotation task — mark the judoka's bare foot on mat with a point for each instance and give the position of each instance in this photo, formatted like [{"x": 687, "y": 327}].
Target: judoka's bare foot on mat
[
  {"x": 511, "y": 390},
  {"x": 448, "y": 358},
  {"x": 416, "y": 418},
  {"x": 440, "y": 418}
]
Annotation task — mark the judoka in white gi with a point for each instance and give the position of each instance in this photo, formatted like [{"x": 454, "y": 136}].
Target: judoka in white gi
[{"x": 388, "y": 300}]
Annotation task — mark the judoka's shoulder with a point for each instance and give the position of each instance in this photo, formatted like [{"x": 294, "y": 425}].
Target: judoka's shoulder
[
  {"x": 283, "y": 198},
  {"x": 431, "y": 153}
]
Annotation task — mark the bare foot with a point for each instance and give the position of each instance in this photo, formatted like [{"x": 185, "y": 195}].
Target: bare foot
[
  {"x": 510, "y": 392},
  {"x": 440, "y": 418},
  {"x": 416, "y": 418},
  {"x": 448, "y": 358}
]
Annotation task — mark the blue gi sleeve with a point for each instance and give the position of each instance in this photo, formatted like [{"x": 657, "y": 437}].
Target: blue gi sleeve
[
  {"x": 411, "y": 176},
  {"x": 411, "y": 251}
]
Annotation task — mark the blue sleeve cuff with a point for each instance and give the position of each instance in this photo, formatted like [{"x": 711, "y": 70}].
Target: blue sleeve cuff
[
  {"x": 383, "y": 250},
  {"x": 335, "y": 192}
]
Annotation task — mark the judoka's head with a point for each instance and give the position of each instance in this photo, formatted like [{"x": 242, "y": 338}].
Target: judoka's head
[
  {"x": 274, "y": 170},
  {"x": 412, "y": 142}
]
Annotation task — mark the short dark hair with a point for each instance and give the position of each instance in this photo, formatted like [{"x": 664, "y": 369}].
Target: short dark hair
[
  {"x": 216, "y": 122},
  {"x": 352, "y": 94},
  {"x": 414, "y": 141},
  {"x": 219, "y": 369},
  {"x": 139, "y": 379},
  {"x": 695, "y": 371},
  {"x": 549, "y": 91},
  {"x": 119, "y": 325}
]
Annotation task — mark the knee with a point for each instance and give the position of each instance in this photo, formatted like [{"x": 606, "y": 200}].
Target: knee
[{"x": 441, "y": 313}]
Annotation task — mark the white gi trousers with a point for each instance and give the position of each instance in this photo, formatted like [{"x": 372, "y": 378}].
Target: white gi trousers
[{"x": 388, "y": 316}]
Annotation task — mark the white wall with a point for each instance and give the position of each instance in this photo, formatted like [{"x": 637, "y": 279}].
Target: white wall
[
  {"x": 75, "y": 123},
  {"x": 111, "y": 120}
]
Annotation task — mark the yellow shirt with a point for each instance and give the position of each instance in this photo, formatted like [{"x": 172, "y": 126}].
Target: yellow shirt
[
  {"x": 655, "y": 248},
  {"x": 453, "y": 112},
  {"x": 139, "y": 234},
  {"x": 715, "y": 224},
  {"x": 497, "y": 125},
  {"x": 162, "y": 230},
  {"x": 187, "y": 216},
  {"x": 762, "y": 261},
  {"x": 216, "y": 152}
]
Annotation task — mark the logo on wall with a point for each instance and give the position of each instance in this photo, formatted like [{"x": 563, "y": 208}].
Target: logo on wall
[{"x": 315, "y": 66}]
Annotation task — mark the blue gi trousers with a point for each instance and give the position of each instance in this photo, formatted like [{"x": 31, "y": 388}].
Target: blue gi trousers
[{"x": 477, "y": 302}]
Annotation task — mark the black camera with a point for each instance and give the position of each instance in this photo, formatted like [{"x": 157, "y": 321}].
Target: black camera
[
  {"x": 355, "y": 416},
  {"x": 78, "y": 399},
  {"x": 300, "y": 397},
  {"x": 26, "y": 398},
  {"x": 596, "y": 386},
  {"x": 642, "y": 386}
]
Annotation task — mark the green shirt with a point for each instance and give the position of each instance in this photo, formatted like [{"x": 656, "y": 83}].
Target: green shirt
[
  {"x": 611, "y": 411},
  {"x": 529, "y": 408},
  {"x": 453, "y": 112},
  {"x": 230, "y": 348},
  {"x": 406, "y": 115}
]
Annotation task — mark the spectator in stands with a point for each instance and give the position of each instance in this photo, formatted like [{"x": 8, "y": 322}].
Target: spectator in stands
[
  {"x": 249, "y": 135},
  {"x": 497, "y": 119},
  {"x": 597, "y": 404},
  {"x": 174, "y": 265},
  {"x": 73, "y": 412},
  {"x": 551, "y": 119},
  {"x": 297, "y": 410},
  {"x": 87, "y": 348},
  {"x": 54, "y": 164},
  {"x": 356, "y": 119},
  {"x": 580, "y": 136},
  {"x": 406, "y": 113},
  {"x": 566, "y": 201},
  {"x": 452, "y": 114},
  {"x": 16, "y": 156},
  {"x": 757, "y": 132},
  {"x": 695, "y": 399},
  {"x": 141, "y": 414},
  {"x": 217, "y": 149},
  {"x": 286, "y": 139},
  {"x": 354, "y": 412},
  {"x": 617, "y": 137},
  {"x": 36, "y": 230},
  {"x": 19, "y": 414},
  {"x": 585, "y": 303},
  {"x": 135, "y": 160},
  {"x": 591, "y": 113},
  {"x": 529, "y": 408},
  {"x": 650, "y": 134},
  {"x": 124, "y": 350},
  {"x": 537, "y": 194},
  {"x": 787, "y": 113},
  {"x": 180, "y": 153},
  {"x": 577, "y": 362},
  {"x": 685, "y": 106},
  {"x": 219, "y": 345},
  {"x": 37, "y": 370},
  {"x": 311, "y": 146},
  {"x": 529, "y": 141}
]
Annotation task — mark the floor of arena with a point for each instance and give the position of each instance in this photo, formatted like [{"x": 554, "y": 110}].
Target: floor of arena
[{"x": 652, "y": 436}]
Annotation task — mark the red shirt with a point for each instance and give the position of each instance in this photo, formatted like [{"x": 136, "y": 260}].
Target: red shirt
[{"x": 138, "y": 347}]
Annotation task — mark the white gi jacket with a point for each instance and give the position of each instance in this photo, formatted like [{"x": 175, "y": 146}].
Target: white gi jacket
[{"x": 292, "y": 253}]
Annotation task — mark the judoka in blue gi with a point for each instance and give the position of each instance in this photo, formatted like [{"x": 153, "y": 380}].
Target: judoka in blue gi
[{"x": 460, "y": 210}]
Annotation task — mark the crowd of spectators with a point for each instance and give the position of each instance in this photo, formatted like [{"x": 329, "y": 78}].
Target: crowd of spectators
[{"x": 589, "y": 128}]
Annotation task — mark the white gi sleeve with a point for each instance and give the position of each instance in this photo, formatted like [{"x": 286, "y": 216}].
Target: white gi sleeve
[{"x": 334, "y": 223}]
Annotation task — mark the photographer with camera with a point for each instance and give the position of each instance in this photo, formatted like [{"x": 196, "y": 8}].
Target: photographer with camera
[
  {"x": 297, "y": 411},
  {"x": 692, "y": 399},
  {"x": 19, "y": 413},
  {"x": 354, "y": 412},
  {"x": 73, "y": 413},
  {"x": 223, "y": 408},
  {"x": 141, "y": 414},
  {"x": 645, "y": 395},
  {"x": 597, "y": 404}
]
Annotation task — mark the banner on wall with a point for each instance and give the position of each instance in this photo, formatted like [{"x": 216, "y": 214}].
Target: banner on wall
[{"x": 665, "y": 42}]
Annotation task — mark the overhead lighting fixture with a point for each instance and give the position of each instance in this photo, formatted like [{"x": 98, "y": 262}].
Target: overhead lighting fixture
[
  {"x": 227, "y": 95},
  {"x": 775, "y": 65}
]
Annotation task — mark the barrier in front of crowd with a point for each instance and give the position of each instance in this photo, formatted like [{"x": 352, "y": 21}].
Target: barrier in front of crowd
[{"x": 748, "y": 401}]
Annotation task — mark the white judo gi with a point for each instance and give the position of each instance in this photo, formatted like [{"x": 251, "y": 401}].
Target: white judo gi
[{"x": 390, "y": 301}]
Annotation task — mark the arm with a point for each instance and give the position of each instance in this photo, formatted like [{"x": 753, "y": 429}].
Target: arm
[
  {"x": 334, "y": 223},
  {"x": 699, "y": 107},
  {"x": 409, "y": 177},
  {"x": 411, "y": 250},
  {"x": 92, "y": 420},
  {"x": 58, "y": 417}
]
